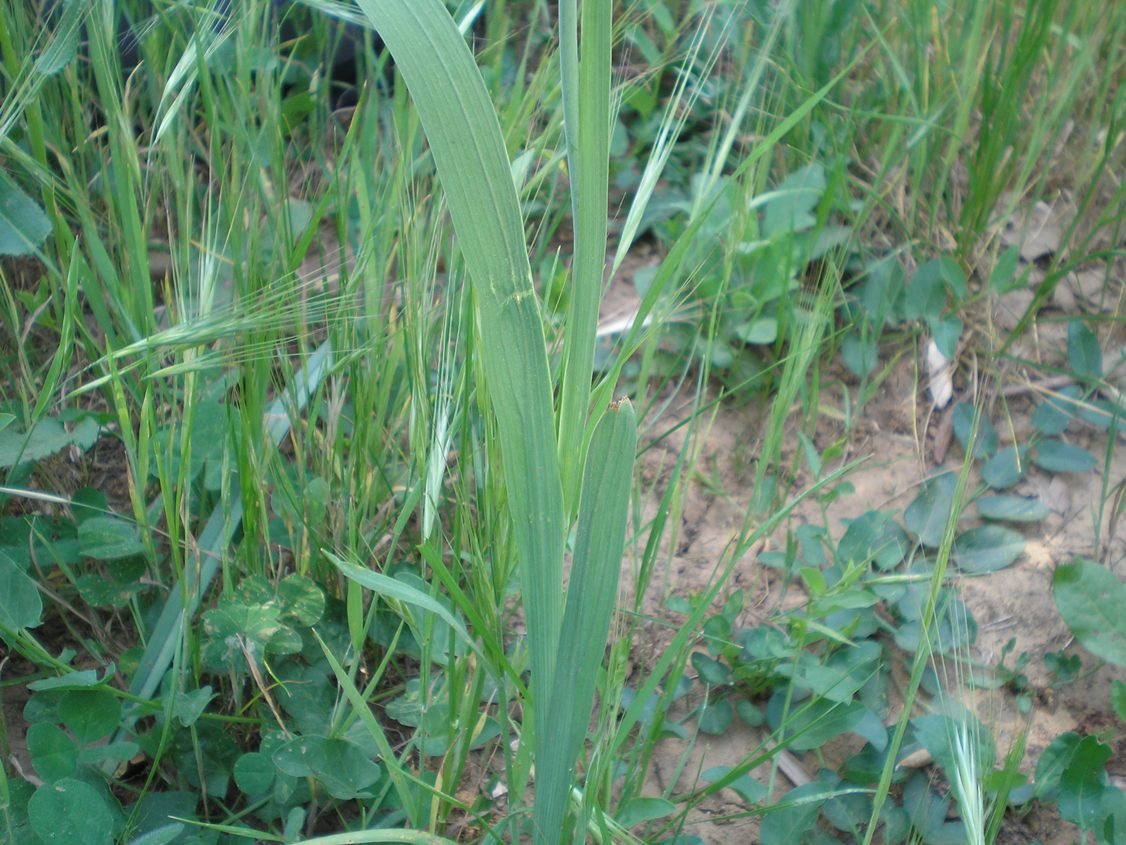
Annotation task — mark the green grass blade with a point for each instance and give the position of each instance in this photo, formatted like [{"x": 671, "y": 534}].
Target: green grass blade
[
  {"x": 590, "y": 602},
  {"x": 465, "y": 140},
  {"x": 586, "y": 97}
]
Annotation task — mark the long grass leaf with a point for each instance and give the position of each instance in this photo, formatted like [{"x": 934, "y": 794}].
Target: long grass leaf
[
  {"x": 593, "y": 588},
  {"x": 586, "y": 98},
  {"x": 473, "y": 167}
]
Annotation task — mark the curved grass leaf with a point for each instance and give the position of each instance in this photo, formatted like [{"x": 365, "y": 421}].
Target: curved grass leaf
[{"x": 465, "y": 140}]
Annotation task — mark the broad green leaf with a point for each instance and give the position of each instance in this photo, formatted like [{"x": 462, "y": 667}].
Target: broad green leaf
[
  {"x": 1054, "y": 414},
  {"x": 946, "y": 330},
  {"x": 1090, "y": 598},
  {"x": 1012, "y": 508},
  {"x": 70, "y": 812},
  {"x": 80, "y": 679},
  {"x": 985, "y": 446},
  {"x": 937, "y": 732},
  {"x": 1004, "y": 276},
  {"x": 20, "y": 604},
  {"x": 338, "y": 764},
  {"x": 47, "y": 437},
  {"x": 1083, "y": 353},
  {"x": 926, "y": 292},
  {"x": 303, "y": 602},
  {"x": 109, "y": 538},
  {"x": 813, "y": 723},
  {"x": 90, "y": 714},
  {"x": 764, "y": 330},
  {"x": 1057, "y": 456},
  {"x": 788, "y": 821},
  {"x": 1005, "y": 468},
  {"x": 710, "y": 670},
  {"x": 1054, "y": 761},
  {"x": 118, "y": 752},
  {"x": 644, "y": 809},
  {"x": 928, "y": 514},
  {"x": 873, "y": 536},
  {"x": 928, "y": 812},
  {"x": 791, "y": 206},
  {"x": 23, "y": 227},
  {"x": 254, "y": 773},
  {"x": 1082, "y": 783},
  {"x": 715, "y": 717},
  {"x": 189, "y": 706},
  {"x": 987, "y": 548},
  {"x": 53, "y": 753}
]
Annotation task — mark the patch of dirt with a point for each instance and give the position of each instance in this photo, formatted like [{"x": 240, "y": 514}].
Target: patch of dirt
[{"x": 905, "y": 442}]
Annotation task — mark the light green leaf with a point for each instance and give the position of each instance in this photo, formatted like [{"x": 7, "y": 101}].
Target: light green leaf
[
  {"x": 1005, "y": 468},
  {"x": 254, "y": 773},
  {"x": 946, "y": 330},
  {"x": 1057, "y": 456},
  {"x": 20, "y": 604},
  {"x": 1083, "y": 353},
  {"x": 985, "y": 445},
  {"x": 70, "y": 812},
  {"x": 53, "y": 753},
  {"x": 338, "y": 764},
  {"x": 90, "y": 714},
  {"x": 23, "y": 225},
  {"x": 468, "y": 150},
  {"x": 987, "y": 548},
  {"x": 109, "y": 538},
  {"x": 1090, "y": 598},
  {"x": 928, "y": 514},
  {"x": 790, "y": 819},
  {"x": 47, "y": 437},
  {"x": 189, "y": 706},
  {"x": 1012, "y": 508},
  {"x": 644, "y": 809},
  {"x": 599, "y": 542}
]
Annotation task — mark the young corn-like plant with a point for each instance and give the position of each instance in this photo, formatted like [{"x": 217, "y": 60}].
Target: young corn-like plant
[{"x": 587, "y": 467}]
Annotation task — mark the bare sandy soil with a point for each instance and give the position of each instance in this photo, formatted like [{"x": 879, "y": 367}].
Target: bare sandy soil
[{"x": 905, "y": 441}]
